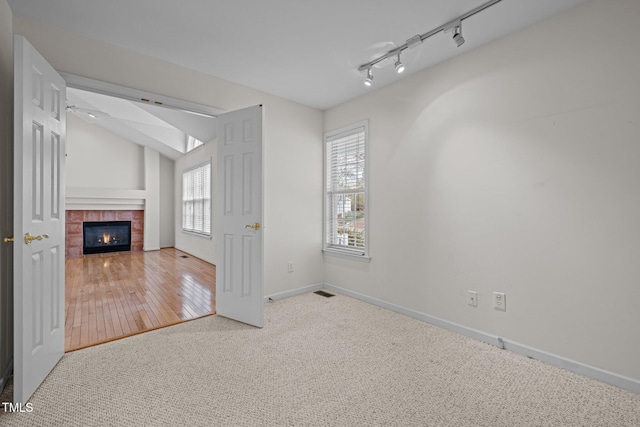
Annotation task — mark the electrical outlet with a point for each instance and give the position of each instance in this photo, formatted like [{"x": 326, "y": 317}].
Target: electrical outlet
[
  {"x": 290, "y": 267},
  {"x": 472, "y": 298},
  {"x": 500, "y": 301}
]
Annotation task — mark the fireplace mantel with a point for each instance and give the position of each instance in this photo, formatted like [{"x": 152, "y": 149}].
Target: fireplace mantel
[{"x": 104, "y": 199}]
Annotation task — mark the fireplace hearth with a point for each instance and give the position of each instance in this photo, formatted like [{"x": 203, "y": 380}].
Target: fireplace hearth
[{"x": 106, "y": 236}]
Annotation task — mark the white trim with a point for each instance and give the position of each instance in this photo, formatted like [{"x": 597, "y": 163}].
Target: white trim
[
  {"x": 472, "y": 333},
  {"x": 345, "y": 254},
  {"x": 592, "y": 372},
  {"x": 208, "y": 162},
  {"x": 359, "y": 254},
  {"x": 201, "y": 235},
  {"x": 293, "y": 292},
  {"x": 97, "y": 86}
]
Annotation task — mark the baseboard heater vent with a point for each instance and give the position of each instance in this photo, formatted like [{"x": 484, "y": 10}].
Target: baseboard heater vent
[{"x": 324, "y": 294}]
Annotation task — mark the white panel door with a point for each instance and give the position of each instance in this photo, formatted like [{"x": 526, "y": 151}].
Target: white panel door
[
  {"x": 39, "y": 157},
  {"x": 239, "y": 243}
]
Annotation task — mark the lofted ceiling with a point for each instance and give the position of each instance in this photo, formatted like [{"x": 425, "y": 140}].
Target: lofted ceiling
[
  {"x": 165, "y": 130},
  {"x": 302, "y": 50}
]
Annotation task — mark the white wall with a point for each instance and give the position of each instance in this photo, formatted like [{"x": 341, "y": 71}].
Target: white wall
[
  {"x": 97, "y": 158},
  {"x": 167, "y": 201},
  {"x": 292, "y": 140},
  {"x": 199, "y": 246},
  {"x": 514, "y": 168},
  {"x": 6, "y": 189},
  {"x": 152, "y": 199},
  {"x": 106, "y": 171}
]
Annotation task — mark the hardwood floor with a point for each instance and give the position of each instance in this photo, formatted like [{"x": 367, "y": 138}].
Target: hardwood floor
[{"x": 111, "y": 296}]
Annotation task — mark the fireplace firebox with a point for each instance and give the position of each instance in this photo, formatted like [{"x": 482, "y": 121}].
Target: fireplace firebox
[{"x": 106, "y": 236}]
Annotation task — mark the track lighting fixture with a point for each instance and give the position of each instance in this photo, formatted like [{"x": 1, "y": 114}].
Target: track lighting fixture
[
  {"x": 457, "y": 36},
  {"x": 399, "y": 66},
  {"x": 454, "y": 26},
  {"x": 369, "y": 80}
]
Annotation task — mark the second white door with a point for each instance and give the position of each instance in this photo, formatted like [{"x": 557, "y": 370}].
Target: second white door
[{"x": 238, "y": 218}]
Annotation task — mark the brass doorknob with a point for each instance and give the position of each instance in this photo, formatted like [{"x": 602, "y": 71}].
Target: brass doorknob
[
  {"x": 8, "y": 239},
  {"x": 255, "y": 226},
  {"x": 28, "y": 238}
]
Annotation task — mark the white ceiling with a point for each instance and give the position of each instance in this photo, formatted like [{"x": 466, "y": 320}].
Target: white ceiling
[
  {"x": 302, "y": 50},
  {"x": 165, "y": 130}
]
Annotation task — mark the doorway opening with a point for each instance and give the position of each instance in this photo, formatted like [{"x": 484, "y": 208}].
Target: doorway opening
[{"x": 119, "y": 285}]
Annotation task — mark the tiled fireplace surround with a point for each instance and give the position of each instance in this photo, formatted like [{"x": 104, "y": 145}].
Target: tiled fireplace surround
[{"x": 75, "y": 218}]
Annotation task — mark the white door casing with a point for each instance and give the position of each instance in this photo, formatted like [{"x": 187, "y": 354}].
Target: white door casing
[
  {"x": 238, "y": 217},
  {"x": 39, "y": 159}
]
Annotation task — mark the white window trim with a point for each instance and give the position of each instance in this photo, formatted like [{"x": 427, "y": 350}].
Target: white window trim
[
  {"x": 190, "y": 232},
  {"x": 356, "y": 254}
]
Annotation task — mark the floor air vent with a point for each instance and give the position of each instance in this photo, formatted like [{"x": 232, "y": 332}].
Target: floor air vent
[
  {"x": 183, "y": 256},
  {"x": 324, "y": 294}
]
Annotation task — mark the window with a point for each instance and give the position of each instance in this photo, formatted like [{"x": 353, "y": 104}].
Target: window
[
  {"x": 192, "y": 143},
  {"x": 196, "y": 200},
  {"x": 345, "y": 213}
]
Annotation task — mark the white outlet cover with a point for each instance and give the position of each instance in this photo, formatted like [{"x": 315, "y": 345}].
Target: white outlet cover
[
  {"x": 500, "y": 301},
  {"x": 472, "y": 298}
]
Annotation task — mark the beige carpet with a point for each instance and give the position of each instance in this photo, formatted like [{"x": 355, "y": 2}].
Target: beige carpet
[{"x": 318, "y": 361}]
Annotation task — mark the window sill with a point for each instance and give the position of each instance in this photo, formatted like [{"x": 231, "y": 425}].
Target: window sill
[
  {"x": 192, "y": 233},
  {"x": 346, "y": 255}
]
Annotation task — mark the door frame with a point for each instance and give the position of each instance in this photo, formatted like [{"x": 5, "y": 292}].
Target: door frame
[
  {"x": 91, "y": 85},
  {"x": 110, "y": 89}
]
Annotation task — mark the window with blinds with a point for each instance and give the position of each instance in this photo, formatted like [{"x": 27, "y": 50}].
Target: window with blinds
[
  {"x": 346, "y": 190},
  {"x": 196, "y": 200}
]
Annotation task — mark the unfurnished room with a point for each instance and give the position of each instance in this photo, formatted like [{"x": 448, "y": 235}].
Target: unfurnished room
[{"x": 336, "y": 213}]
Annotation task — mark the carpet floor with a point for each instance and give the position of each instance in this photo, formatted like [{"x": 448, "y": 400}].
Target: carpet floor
[{"x": 317, "y": 362}]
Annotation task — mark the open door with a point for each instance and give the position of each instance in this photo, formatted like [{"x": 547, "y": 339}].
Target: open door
[
  {"x": 39, "y": 214},
  {"x": 239, "y": 243}
]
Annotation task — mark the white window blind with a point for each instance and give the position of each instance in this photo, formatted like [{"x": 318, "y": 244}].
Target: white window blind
[
  {"x": 196, "y": 200},
  {"x": 345, "y": 191}
]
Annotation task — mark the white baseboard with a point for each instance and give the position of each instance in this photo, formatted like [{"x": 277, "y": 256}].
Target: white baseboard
[
  {"x": 608, "y": 377},
  {"x": 294, "y": 292}
]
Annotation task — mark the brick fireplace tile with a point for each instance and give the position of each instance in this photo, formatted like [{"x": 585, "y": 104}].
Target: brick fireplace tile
[
  {"x": 92, "y": 215},
  {"x": 74, "y": 228},
  {"x": 124, "y": 215},
  {"x": 74, "y": 252},
  {"x": 75, "y": 216},
  {"x": 74, "y": 246},
  {"x": 107, "y": 215},
  {"x": 74, "y": 219}
]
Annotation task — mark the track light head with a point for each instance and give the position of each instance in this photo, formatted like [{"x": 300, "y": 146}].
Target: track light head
[
  {"x": 399, "y": 66},
  {"x": 454, "y": 26},
  {"x": 369, "y": 80},
  {"x": 457, "y": 36}
]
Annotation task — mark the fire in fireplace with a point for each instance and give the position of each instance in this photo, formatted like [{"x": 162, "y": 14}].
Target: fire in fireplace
[{"x": 106, "y": 236}]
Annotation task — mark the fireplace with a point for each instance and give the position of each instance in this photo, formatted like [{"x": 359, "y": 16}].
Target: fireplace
[{"x": 106, "y": 236}]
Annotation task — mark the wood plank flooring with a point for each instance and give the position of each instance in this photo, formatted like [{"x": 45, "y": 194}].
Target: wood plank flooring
[{"x": 111, "y": 296}]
